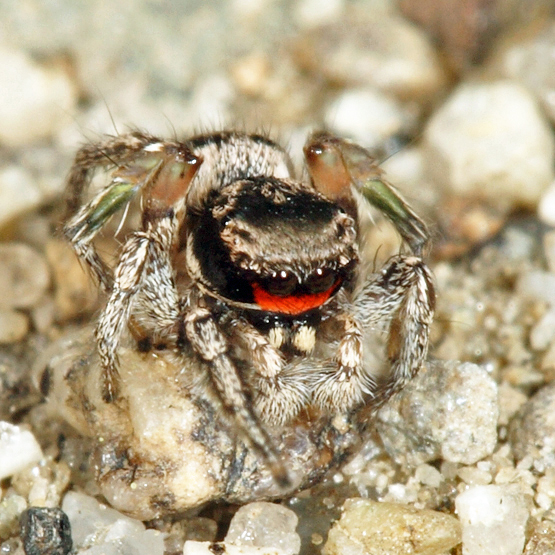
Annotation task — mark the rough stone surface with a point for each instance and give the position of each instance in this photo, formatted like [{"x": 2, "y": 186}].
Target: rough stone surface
[
  {"x": 43, "y": 484},
  {"x": 24, "y": 276},
  {"x": 532, "y": 431},
  {"x": 45, "y": 532},
  {"x": 370, "y": 528},
  {"x": 449, "y": 410},
  {"x": 265, "y": 525},
  {"x": 11, "y": 507},
  {"x": 161, "y": 426},
  {"x": 493, "y": 520},
  {"x": 18, "y": 449},
  {"x": 207, "y": 548},
  {"x": 473, "y": 148},
  {"x": 542, "y": 539},
  {"x": 98, "y": 529},
  {"x": 13, "y": 546}
]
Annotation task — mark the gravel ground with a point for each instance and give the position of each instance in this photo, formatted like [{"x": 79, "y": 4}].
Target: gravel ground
[{"x": 457, "y": 98}]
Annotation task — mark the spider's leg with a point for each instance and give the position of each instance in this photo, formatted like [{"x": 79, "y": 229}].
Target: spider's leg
[
  {"x": 116, "y": 151},
  {"x": 335, "y": 165},
  {"x": 82, "y": 228},
  {"x": 144, "y": 278},
  {"x": 115, "y": 316},
  {"x": 161, "y": 171},
  {"x": 144, "y": 272},
  {"x": 341, "y": 384},
  {"x": 210, "y": 344},
  {"x": 402, "y": 294},
  {"x": 281, "y": 389}
]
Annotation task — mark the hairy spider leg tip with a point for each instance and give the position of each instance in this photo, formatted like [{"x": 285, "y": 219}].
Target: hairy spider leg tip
[{"x": 110, "y": 392}]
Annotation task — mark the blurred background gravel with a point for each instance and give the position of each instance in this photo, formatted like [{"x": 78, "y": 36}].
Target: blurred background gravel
[{"x": 457, "y": 97}]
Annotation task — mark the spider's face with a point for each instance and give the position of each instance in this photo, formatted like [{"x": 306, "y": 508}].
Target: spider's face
[{"x": 274, "y": 244}]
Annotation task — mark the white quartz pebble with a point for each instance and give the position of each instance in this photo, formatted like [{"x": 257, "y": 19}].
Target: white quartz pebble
[
  {"x": 493, "y": 520},
  {"x": 264, "y": 524},
  {"x": 490, "y": 140},
  {"x": 18, "y": 449}
]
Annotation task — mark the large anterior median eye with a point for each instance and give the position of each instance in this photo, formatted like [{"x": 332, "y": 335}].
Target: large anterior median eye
[
  {"x": 281, "y": 283},
  {"x": 322, "y": 279}
]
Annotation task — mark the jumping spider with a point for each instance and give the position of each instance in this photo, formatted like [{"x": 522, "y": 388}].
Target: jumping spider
[{"x": 253, "y": 273}]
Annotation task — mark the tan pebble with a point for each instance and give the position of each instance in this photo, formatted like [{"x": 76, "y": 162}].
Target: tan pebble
[
  {"x": 13, "y": 326},
  {"x": 372, "y": 528}
]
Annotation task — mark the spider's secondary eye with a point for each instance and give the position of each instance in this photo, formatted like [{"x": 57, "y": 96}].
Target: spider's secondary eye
[
  {"x": 281, "y": 283},
  {"x": 321, "y": 280}
]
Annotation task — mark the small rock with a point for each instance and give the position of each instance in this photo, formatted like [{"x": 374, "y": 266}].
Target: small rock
[
  {"x": 251, "y": 74},
  {"x": 18, "y": 193},
  {"x": 212, "y": 97},
  {"x": 475, "y": 149},
  {"x": 45, "y": 531},
  {"x": 448, "y": 410},
  {"x": 542, "y": 540},
  {"x": 465, "y": 222},
  {"x": 510, "y": 401},
  {"x": 24, "y": 276},
  {"x": 11, "y": 508},
  {"x": 12, "y": 546},
  {"x": 368, "y": 527},
  {"x": 95, "y": 525},
  {"x": 537, "y": 285},
  {"x": 385, "y": 52},
  {"x": 474, "y": 476},
  {"x": 545, "y": 490},
  {"x": 493, "y": 520},
  {"x": 264, "y": 524},
  {"x": 464, "y": 28},
  {"x": 222, "y": 548},
  {"x": 543, "y": 331},
  {"x": 183, "y": 455},
  {"x": 369, "y": 117},
  {"x": 43, "y": 314},
  {"x": 546, "y": 206},
  {"x": 527, "y": 56},
  {"x": 43, "y": 484},
  {"x": 35, "y": 101},
  {"x": 18, "y": 449},
  {"x": 13, "y": 326},
  {"x": 311, "y": 13},
  {"x": 532, "y": 430},
  {"x": 428, "y": 475}
]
